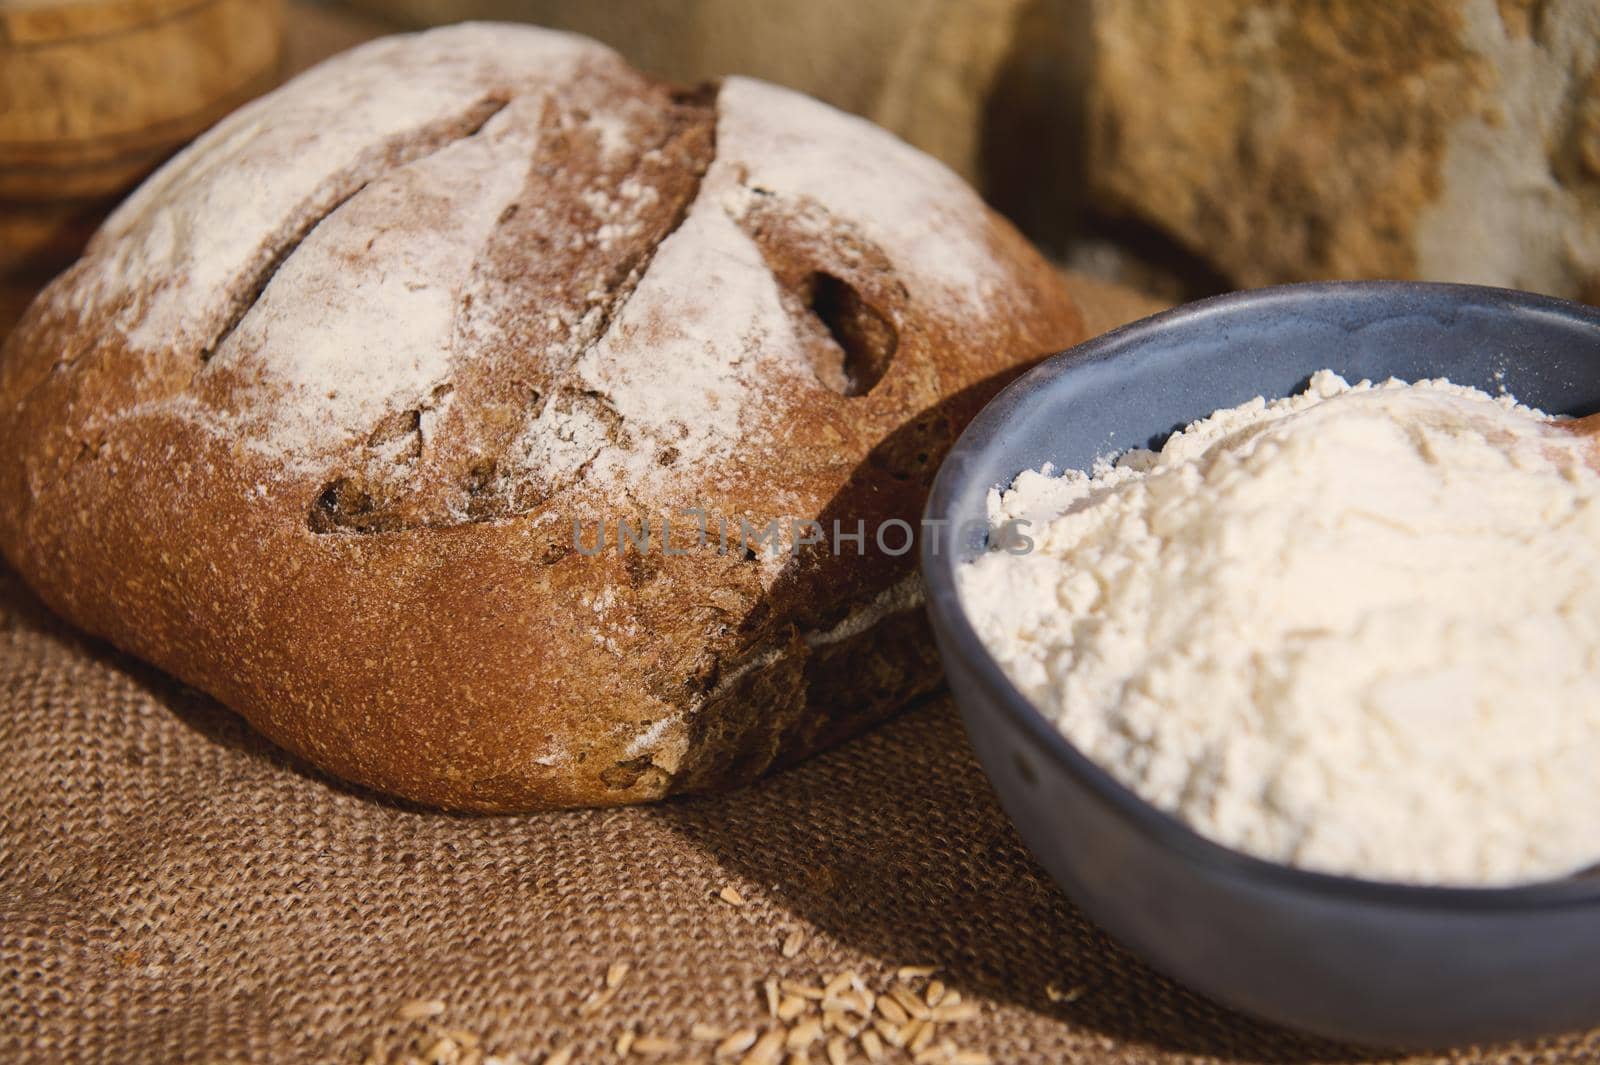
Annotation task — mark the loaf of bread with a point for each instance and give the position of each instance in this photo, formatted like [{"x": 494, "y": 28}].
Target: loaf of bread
[{"x": 366, "y": 412}]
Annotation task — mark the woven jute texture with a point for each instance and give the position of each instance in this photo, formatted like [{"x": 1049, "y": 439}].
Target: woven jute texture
[{"x": 174, "y": 889}]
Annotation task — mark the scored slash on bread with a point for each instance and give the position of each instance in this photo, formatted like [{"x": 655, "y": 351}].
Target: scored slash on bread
[{"x": 311, "y": 423}]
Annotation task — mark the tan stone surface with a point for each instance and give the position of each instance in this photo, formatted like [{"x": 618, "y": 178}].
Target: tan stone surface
[{"x": 1284, "y": 140}]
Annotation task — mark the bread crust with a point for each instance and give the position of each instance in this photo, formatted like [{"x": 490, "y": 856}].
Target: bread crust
[{"x": 313, "y": 423}]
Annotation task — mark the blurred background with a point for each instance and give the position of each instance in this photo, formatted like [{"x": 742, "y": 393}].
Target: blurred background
[{"x": 1173, "y": 148}]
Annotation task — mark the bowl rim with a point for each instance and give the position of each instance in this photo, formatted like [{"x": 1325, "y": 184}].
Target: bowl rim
[{"x": 1159, "y": 826}]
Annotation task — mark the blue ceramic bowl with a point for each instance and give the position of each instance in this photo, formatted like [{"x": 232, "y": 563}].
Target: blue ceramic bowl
[{"x": 1350, "y": 959}]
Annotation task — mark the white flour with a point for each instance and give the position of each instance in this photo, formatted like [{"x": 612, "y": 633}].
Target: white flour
[{"x": 1357, "y": 630}]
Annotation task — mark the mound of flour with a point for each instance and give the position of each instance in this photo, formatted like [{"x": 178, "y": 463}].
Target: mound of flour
[{"x": 1357, "y": 630}]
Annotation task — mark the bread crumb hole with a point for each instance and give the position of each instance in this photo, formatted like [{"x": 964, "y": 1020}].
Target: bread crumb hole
[{"x": 866, "y": 338}]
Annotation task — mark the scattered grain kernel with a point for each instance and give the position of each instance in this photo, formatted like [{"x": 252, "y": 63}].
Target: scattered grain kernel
[
  {"x": 842, "y": 1022},
  {"x": 795, "y": 987},
  {"x": 840, "y": 984},
  {"x": 872, "y": 1045},
  {"x": 911, "y": 1003},
  {"x": 736, "y": 1043},
  {"x": 935, "y": 993},
  {"x": 768, "y": 1050},
  {"x": 915, "y": 972},
  {"x": 419, "y": 1008},
  {"x": 443, "y": 1051},
  {"x": 706, "y": 1033},
  {"x": 891, "y": 1034},
  {"x": 791, "y": 1007},
  {"x": 923, "y": 1038},
  {"x": 771, "y": 989},
  {"x": 616, "y": 972},
  {"x": 793, "y": 943},
  {"x": 952, "y": 997},
  {"x": 853, "y": 1001},
  {"x": 948, "y": 1014},
  {"x": 731, "y": 896},
  {"x": 625, "y": 1043},
  {"x": 655, "y": 1046},
  {"x": 804, "y": 1034},
  {"x": 596, "y": 1001},
  {"x": 892, "y": 1011}
]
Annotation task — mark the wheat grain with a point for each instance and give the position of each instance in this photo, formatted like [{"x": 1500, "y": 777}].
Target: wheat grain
[
  {"x": 655, "y": 1046},
  {"x": 771, "y": 989},
  {"x": 842, "y": 1022},
  {"x": 803, "y": 1034},
  {"x": 840, "y": 984},
  {"x": 596, "y": 1001},
  {"x": 851, "y": 1001},
  {"x": 702, "y": 1032},
  {"x": 443, "y": 1051},
  {"x": 731, "y": 896},
  {"x": 948, "y": 1014},
  {"x": 736, "y": 1043},
  {"x": 910, "y": 1002},
  {"x": 768, "y": 1050},
  {"x": 793, "y": 943},
  {"x": 420, "y": 1008}
]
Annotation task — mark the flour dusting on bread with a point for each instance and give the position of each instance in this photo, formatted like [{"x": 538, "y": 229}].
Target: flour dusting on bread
[
  {"x": 212, "y": 217},
  {"x": 401, "y": 184},
  {"x": 360, "y": 318}
]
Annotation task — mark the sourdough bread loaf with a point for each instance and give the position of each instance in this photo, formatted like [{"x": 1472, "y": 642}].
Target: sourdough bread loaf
[{"x": 329, "y": 419}]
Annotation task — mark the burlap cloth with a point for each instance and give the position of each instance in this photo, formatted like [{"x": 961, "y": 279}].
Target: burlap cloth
[{"x": 173, "y": 888}]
